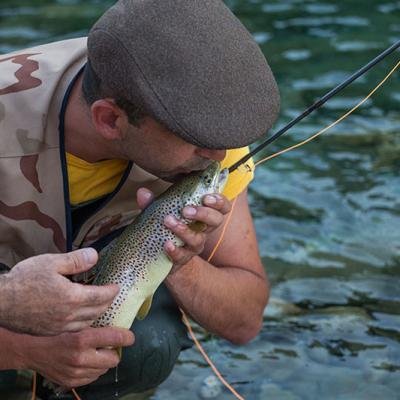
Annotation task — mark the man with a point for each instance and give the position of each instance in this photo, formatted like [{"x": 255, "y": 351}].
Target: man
[{"x": 163, "y": 88}]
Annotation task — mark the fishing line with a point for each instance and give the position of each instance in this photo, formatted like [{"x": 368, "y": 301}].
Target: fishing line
[
  {"x": 317, "y": 104},
  {"x": 75, "y": 394},
  {"x": 34, "y": 378},
  {"x": 210, "y": 363},
  {"x": 221, "y": 237},
  {"x": 332, "y": 124}
]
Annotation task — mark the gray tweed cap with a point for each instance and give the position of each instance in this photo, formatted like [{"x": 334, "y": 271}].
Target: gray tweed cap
[{"x": 191, "y": 65}]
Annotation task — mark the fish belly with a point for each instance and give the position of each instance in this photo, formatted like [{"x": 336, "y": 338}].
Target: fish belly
[{"x": 142, "y": 290}]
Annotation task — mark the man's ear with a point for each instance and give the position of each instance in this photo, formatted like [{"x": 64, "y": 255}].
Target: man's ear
[{"x": 107, "y": 118}]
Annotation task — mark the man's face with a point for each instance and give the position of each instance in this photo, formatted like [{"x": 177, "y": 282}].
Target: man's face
[{"x": 160, "y": 152}]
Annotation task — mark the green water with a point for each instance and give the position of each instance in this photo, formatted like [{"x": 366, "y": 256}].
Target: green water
[{"x": 327, "y": 215}]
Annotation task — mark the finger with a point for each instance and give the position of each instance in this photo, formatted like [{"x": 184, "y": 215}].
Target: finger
[
  {"x": 178, "y": 255},
  {"x": 193, "y": 240},
  {"x": 103, "y": 358},
  {"x": 76, "y": 326},
  {"x": 212, "y": 218},
  {"x": 89, "y": 314},
  {"x": 108, "y": 337},
  {"x": 92, "y": 295},
  {"x": 144, "y": 197},
  {"x": 75, "y": 262},
  {"x": 218, "y": 202}
]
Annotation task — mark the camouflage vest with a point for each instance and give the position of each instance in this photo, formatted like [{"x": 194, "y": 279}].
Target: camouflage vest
[{"x": 35, "y": 216}]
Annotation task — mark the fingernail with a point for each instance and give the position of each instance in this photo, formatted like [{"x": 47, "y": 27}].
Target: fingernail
[
  {"x": 171, "y": 221},
  {"x": 189, "y": 211},
  {"x": 210, "y": 199},
  {"x": 170, "y": 246},
  {"x": 90, "y": 255},
  {"x": 146, "y": 194}
]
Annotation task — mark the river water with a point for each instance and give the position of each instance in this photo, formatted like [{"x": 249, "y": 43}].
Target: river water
[{"x": 327, "y": 214}]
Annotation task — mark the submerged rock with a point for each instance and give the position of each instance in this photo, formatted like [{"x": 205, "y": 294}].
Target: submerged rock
[
  {"x": 210, "y": 388},
  {"x": 278, "y": 308}
]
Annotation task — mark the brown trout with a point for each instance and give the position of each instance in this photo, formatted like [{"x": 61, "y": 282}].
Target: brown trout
[{"x": 136, "y": 260}]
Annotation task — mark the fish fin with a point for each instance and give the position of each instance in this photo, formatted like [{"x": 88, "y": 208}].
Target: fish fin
[
  {"x": 144, "y": 308},
  {"x": 197, "y": 226},
  {"x": 119, "y": 352}
]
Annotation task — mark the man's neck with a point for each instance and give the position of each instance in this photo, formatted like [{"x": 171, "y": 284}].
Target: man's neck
[{"x": 81, "y": 138}]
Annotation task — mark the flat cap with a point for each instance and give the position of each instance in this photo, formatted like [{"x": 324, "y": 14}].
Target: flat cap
[{"x": 191, "y": 65}]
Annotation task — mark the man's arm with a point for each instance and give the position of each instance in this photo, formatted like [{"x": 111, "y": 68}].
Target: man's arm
[{"x": 228, "y": 295}]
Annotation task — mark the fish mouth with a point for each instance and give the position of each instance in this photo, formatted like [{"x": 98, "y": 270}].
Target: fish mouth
[{"x": 219, "y": 177}]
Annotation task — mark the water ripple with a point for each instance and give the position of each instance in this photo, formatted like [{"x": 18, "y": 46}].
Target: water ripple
[
  {"x": 297, "y": 54},
  {"x": 389, "y": 7},
  {"x": 322, "y": 21},
  {"x": 356, "y": 45},
  {"x": 321, "y": 8}
]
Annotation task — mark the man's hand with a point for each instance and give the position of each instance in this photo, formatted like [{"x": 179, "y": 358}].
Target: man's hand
[
  {"x": 75, "y": 359},
  {"x": 211, "y": 214},
  {"x": 36, "y": 298}
]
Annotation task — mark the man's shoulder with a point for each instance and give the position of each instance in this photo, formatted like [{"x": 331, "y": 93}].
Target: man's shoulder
[{"x": 33, "y": 82}]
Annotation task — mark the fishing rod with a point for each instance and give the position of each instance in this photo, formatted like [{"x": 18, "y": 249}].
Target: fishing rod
[{"x": 317, "y": 104}]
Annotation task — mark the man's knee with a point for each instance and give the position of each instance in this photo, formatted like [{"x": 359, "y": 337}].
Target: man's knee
[{"x": 151, "y": 359}]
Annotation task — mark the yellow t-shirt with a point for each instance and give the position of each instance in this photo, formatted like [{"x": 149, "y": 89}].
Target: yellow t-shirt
[
  {"x": 239, "y": 179},
  {"x": 89, "y": 181}
]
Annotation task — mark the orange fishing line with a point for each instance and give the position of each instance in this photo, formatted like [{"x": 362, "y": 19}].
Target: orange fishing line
[
  {"x": 210, "y": 363},
  {"x": 75, "y": 394},
  {"x": 223, "y": 232},
  {"x": 189, "y": 327},
  {"x": 34, "y": 386}
]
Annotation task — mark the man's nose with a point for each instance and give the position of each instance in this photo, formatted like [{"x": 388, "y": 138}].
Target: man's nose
[{"x": 211, "y": 154}]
